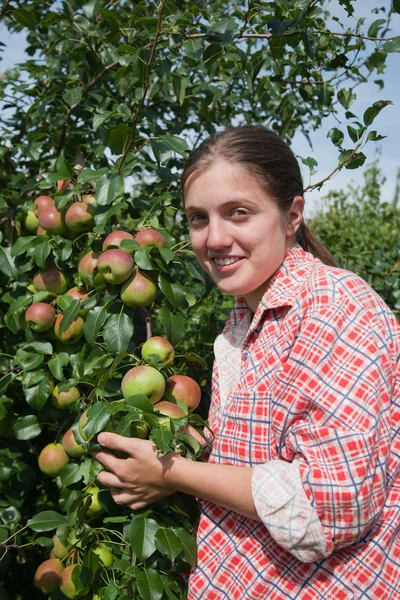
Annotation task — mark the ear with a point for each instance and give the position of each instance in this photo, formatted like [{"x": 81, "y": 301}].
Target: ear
[{"x": 295, "y": 215}]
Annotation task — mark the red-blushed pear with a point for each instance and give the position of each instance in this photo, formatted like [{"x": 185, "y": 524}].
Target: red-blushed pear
[
  {"x": 95, "y": 508},
  {"x": 67, "y": 586},
  {"x": 158, "y": 350},
  {"x": 30, "y": 221},
  {"x": 42, "y": 203},
  {"x": 48, "y": 575},
  {"x": 52, "y": 220},
  {"x": 194, "y": 433},
  {"x": 81, "y": 295},
  {"x": 138, "y": 291},
  {"x": 150, "y": 237},
  {"x": 184, "y": 389},
  {"x": 115, "y": 266},
  {"x": 115, "y": 238},
  {"x": 73, "y": 333},
  {"x": 169, "y": 409},
  {"x": 62, "y": 400},
  {"x": 143, "y": 380},
  {"x": 105, "y": 555},
  {"x": 52, "y": 280},
  {"x": 86, "y": 266},
  {"x": 79, "y": 217},
  {"x": 71, "y": 446},
  {"x": 52, "y": 459},
  {"x": 59, "y": 550},
  {"x": 40, "y": 316}
]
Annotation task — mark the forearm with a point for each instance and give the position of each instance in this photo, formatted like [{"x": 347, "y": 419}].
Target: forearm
[{"x": 224, "y": 485}]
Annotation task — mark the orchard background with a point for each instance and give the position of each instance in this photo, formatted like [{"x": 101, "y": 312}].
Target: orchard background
[{"x": 101, "y": 116}]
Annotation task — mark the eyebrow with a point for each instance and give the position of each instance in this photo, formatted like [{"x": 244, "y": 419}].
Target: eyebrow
[{"x": 227, "y": 204}]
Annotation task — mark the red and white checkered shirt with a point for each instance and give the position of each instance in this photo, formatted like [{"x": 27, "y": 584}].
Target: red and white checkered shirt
[{"x": 316, "y": 411}]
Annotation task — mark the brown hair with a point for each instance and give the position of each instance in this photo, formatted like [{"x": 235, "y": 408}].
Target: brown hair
[{"x": 262, "y": 153}]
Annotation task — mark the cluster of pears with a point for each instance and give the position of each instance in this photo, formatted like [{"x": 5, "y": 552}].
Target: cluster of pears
[
  {"x": 57, "y": 571},
  {"x": 113, "y": 266},
  {"x": 144, "y": 379}
]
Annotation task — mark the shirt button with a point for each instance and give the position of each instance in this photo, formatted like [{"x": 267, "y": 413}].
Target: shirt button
[{"x": 245, "y": 355}]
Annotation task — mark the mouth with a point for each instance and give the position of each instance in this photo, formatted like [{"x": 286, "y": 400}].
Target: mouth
[
  {"x": 227, "y": 264},
  {"x": 226, "y": 261}
]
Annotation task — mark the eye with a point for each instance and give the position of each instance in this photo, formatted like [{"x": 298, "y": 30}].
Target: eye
[
  {"x": 196, "y": 218},
  {"x": 239, "y": 212}
]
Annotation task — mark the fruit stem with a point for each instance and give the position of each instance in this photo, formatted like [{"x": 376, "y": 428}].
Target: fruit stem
[{"x": 149, "y": 333}]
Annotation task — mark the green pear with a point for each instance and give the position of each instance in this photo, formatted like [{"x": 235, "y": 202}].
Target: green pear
[
  {"x": 143, "y": 380},
  {"x": 138, "y": 291},
  {"x": 52, "y": 459},
  {"x": 48, "y": 575}
]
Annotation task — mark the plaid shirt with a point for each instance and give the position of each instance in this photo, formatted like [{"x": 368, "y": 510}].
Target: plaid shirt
[{"x": 317, "y": 403}]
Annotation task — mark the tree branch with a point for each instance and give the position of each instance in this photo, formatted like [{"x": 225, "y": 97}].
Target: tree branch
[
  {"x": 338, "y": 168},
  {"x": 146, "y": 86},
  {"x": 4, "y": 8}
]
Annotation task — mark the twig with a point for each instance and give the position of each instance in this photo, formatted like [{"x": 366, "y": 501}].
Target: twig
[
  {"x": 99, "y": 76},
  {"x": 338, "y": 168},
  {"x": 3, "y": 10},
  {"x": 146, "y": 86},
  {"x": 149, "y": 331},
  {"x": 13, "y": 225},
  {"x": 267, "y": 36}
]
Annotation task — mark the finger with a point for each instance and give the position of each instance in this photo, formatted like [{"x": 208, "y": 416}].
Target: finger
[
  {"x": 109, "y": 461},
  {"x": 113, "y": 441},
  {"x": 110, "y": 480},
  {"x": 123, "y": 496}
]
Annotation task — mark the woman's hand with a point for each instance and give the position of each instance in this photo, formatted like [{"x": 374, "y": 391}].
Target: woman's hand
[{"x": 139, "y": 479}]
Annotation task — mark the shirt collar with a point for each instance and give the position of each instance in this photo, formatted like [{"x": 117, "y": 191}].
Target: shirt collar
[{"x": 282, "y": 290}]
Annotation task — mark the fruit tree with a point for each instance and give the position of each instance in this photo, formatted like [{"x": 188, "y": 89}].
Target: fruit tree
[{"x": 100, "y": 314}]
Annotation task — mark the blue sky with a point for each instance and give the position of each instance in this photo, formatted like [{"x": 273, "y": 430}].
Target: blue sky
[{"x": 387, "y": 123}]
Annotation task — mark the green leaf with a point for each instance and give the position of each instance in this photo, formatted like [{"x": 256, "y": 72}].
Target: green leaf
[
  {"x": 91, "y": 175},
  {"x": 311, "y": 163},
  {"x": 168, "y": 543},
  {"x": 118, "y": 333},
  {"x": 162, "y": 438},
  {"x": 41, "y": 253},
  {"x": 142, "y": 259},
  {"x": 392, "y": 45},
  {"x": 374, "y": 27},
  {"x": 346, "y": 97},
  {"x": 70, "y": 474},
  {"x": 109, "y": 188},
  {"x": 99, "y": 415},
  {"x": 73, "y": 97},
  {"x": 37, "y": 395},
  {"x": 29, "y": 360},
  {"x": 127, "y": 49},
  {"x": 25, "y": 17},
  {"x": 226, "y": 29},
  {"x": 63, "y": 168},
  {"x": 141, "y": 535},
  {"x": 23, "y": 244},
  {"x": 118, "y": 138},
  {"x": 212, "y": 53},
  {"x": 27, "y": 428},
  {"x": 176, "y": 144},
  {"x": 7, "y": 265},
  {"x": 173, "y": 323},
  {"x": 374, "y": 110},
  {"x": 357, "y": 161},
  {"x": 188, "y": 542},
  {"x": 56, "y": 365},
  {"x": 46, "y": 521},
  {"x": 149, "y": 584},
  {"x": 70, "y": 315},
  {"x": 396, "y": 6},
  {"x": 94, "y": 322},
  {"x": 193, "y": 48},
  {"x": 98, "y": 359},
  {"x": 174, "y": 292}
]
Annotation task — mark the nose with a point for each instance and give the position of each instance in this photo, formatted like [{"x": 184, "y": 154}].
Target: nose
[{"x": 219, "y": 236}]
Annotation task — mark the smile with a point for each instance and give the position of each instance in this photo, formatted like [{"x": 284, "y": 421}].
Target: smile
[{"x": 226, "y": 261}]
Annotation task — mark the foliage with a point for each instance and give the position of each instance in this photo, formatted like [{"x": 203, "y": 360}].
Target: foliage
[
  {"x": 108, "y": 103},
  {"x": 362, "y": 231}
]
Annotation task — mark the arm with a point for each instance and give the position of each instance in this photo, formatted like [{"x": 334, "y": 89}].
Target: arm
[{"x": 143, "y": 478}]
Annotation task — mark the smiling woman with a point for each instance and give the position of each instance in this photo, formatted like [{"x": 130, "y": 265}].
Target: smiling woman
[{"x": 300, "y": 497}]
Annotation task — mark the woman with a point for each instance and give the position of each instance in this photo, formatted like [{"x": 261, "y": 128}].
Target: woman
[{"x": 301, "y": 495}]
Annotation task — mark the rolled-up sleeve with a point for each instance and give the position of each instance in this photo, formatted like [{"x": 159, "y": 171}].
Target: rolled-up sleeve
[{"x": 331, "y": 420}]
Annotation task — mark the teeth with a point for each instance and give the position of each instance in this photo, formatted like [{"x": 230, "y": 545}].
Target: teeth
[{"x": 225, "y": 261}]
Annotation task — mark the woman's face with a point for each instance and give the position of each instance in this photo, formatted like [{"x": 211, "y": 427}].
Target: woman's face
[{"x": 237, "y": 232}]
